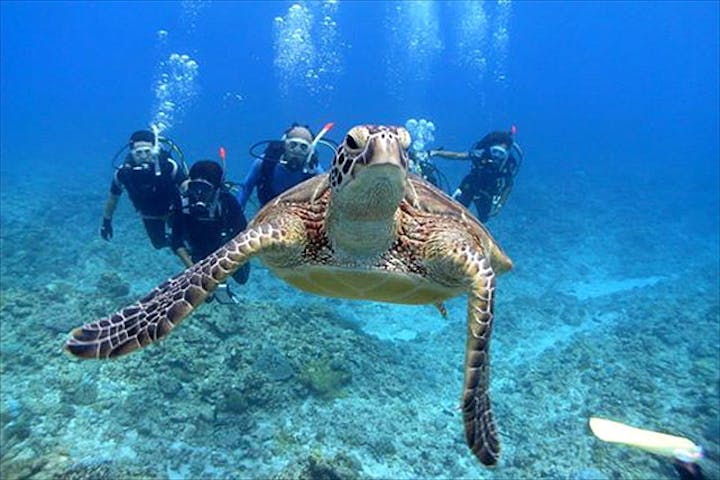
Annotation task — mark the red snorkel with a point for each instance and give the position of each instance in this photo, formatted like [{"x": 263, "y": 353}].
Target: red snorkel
[
  {"x": 221, "y": 153},
  {"x": 317, "y": 139},
  {"x": 321, "y": 134}
]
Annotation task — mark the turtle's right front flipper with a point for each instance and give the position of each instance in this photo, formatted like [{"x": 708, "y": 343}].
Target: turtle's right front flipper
[{"x": 153, "y": 316}]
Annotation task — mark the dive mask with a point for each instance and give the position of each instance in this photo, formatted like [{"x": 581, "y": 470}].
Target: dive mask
[
  {"x": 297, "y": 152},
  {"x": 494, "y": 154},
  {"x": 145, "y": 155},
  {"x": 498, "y": 153},
  {"x": 201, "y": 196},
  {"x": 297, "y": 146}
]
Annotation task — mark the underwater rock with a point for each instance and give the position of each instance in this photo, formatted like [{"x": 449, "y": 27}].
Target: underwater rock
[
  {"x": 14, "y": 424},
  {"x": 15, "y": 432},
  {"x": 34, "y": 467},
  {"x": 205, "y": 412},
  {"x": 170, "y": 386},
  {"x": 254, "y": 392},
  {"x": 324, "y": 378},
  {"x": 234, "y": 401},
  {"x": 84, "y": 393},
  {"x": 712, "y": 429},
  {"x": 17, "y": 304},
  {"x": 317, "y": 467},
  {"x": 274, "y": 364},
  {"x": 589, "y": 473},
  {"x": 104, "y": 470},
  {"x": 382, "y": 446},
  {"x": 58, "y": 292},
  {"x": 111, "y": 285}
]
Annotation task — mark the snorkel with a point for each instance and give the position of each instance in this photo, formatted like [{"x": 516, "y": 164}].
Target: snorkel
[
  {"x": 221, "y": 154},
  {"x": 328, "y": 126},
  {"x": 518, "y": 153},
  {"x": 321, "y": 134},
  {"x": 156, "y": 149}
]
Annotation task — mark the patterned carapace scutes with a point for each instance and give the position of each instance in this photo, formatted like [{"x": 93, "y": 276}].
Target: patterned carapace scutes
[{"x": 368, "y": 230}]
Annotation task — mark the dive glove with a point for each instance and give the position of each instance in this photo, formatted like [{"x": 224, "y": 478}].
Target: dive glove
[{"x": 106, "y": 231}]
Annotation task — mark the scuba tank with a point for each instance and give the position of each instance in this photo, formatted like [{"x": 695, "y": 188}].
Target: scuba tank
[{"x": 173, "y": 147}]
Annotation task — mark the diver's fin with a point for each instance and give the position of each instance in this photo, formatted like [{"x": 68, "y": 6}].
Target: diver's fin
[{"x": 654, "y": 442}]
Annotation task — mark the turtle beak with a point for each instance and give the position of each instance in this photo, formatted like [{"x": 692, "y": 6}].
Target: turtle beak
[
  {"x": 377, "y": 183},
  {"x": 381, "y": 170},
  {"x": 384, "y": 149}
]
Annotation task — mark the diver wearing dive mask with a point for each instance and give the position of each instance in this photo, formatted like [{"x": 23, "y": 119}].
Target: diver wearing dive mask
[
  {"x": 151, "y": 178},
  {"x": 209, "y": 217},
  {"x": 201, "y": 198},
  {"x": 495, "y": 160},
  {"x": 284, "y": 164}
]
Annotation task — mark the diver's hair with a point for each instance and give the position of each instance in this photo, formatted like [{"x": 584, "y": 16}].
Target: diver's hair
[
  {"x": 142, "y": 136},
  {"x": 296, "y": 124},
  {"x": 494, "y": 138},
  {"x": 207, "y": 170}
]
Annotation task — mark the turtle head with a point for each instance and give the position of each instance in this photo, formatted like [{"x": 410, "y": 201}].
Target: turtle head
[{"x": 369, "y": 172}]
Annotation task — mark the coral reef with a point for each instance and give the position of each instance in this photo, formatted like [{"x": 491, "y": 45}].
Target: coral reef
[
  {"x": 317, "y": 467},
  {"x": 325, "y": 378},
  {"x": 259, "y": 388},
  {"x": 111, "y": 285}
]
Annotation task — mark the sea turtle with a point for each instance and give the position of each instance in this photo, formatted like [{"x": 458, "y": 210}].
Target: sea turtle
[{"x": 367, "y": 230}]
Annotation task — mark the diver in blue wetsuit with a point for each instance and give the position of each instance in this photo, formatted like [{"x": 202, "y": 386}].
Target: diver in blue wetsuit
[{"x": 284, "y": 164}]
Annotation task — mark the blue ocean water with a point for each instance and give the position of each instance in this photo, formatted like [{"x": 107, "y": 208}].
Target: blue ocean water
[{"x": 611, "y": 310}]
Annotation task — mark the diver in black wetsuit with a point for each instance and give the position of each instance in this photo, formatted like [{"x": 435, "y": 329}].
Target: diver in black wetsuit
[
  {"x": 151, "y": 178},
  {"x": 495, "y": 160},
  {"x": 208, "y": 218}
]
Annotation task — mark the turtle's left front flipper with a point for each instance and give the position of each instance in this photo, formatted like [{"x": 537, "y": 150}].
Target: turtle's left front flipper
[
  {"x": 155, "y": 315},
  {"x": 454, "y": 258}
]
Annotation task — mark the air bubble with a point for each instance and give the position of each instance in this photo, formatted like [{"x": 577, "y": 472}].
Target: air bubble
[
  {"x": 175, "y": 88},
  {"x": 307, "y": 49}
]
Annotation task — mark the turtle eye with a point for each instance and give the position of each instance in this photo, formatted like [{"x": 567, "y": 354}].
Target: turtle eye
[{"x": 351, "y": 143}]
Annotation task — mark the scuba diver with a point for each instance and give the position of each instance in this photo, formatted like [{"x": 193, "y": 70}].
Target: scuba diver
[
  {"x": 208, "y": 218},
  {"x": 151, "y": 177},
  {"x": 284, "y": 163},
  {"x": 496, "y": 159}
]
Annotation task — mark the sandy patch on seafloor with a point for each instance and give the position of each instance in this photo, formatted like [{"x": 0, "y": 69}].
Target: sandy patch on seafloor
[{"x": 601, "y": 287}]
